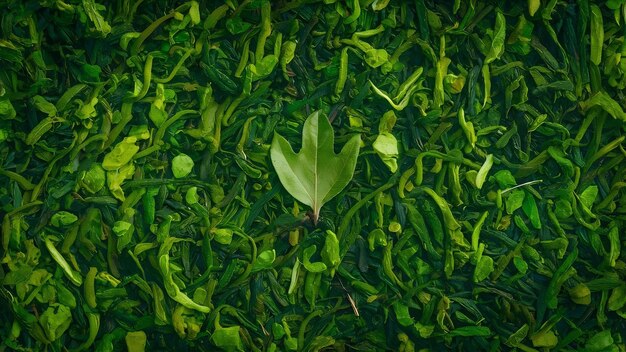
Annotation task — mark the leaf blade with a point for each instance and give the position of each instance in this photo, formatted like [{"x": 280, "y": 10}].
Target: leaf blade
[{"x": 315, "y": 174}]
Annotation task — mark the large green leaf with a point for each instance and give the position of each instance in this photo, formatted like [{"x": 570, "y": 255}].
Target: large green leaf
[{"x": 315, "y": 174}]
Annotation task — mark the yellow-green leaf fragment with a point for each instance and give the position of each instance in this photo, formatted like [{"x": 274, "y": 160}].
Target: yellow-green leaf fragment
[
  {"x": 121, "y": 154},
  {"x": 136, "y": 341}
]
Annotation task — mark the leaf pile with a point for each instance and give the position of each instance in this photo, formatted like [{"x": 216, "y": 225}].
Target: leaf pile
[{"x": 144, "y": 146}]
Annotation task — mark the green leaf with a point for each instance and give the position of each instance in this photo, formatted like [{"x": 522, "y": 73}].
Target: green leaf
[
  {"x": 608, "y": 104},
  {"x": 484, "y": 170},
  {"x": 63, "y": 218},
  {"x": 223, "y": 236},
  {"x": 89, "y": 73},
  {"x": 505, "y": 179},
  {"x": 44, "y": 106},
  {"x": 87, "y": 109},
  {"x": 263, "y": 67},
  {"x": 402, "y": 314},
  {"x": 182, "y": 165},
  {"x": 484, "y": 268},
  {"x": 530, "y": 209},
  {"x": 93, "y": 180},
  {"x": 559, "y": 156},
  {"x": 191, "y": 196},
  {"x": 399, "y": 106},
  {"x": 136, "y": 341},
  {"x": 70, "y": 273},
  {"x": 313, "y": 267},
  {"x": 514, "y": 200},
  {"x": 236, "y": 25},
  {"x": 115, "y": 179},
  {"x": 597, "y": 35},
  {"x": 600, "y": 341},
  {"x": 124, "y": 231},
  {"x": 376, "y": 237},
  {"x": 376, "y": 57},
  {"x": 121, "y": 154},
  {"x": 517, "y": 337},
  {"x": 533, "y": 6},
  {"x": 64, "y": 295},
  {"x": 227, "y": 339},
  {"x": 563, "y": 209},
  {"x": 386, "y": 146},
  {"x": 580, "y": 294},
  {"x": 378, "y": 5},
  {"x": 56, "y": 320},
  {"x": 40, "y": 129},
  {"x": 424, "y": 330},
  {"x": 315, "y": 174},
  {"x": 330, "y": 252},
  {"x": 101, "y": 26},
  {"x": 264, "y": 260},
  {"x": 171, "y": 287},
  {"x": 140, "y": 132},
  {"x": 617, "y": 300},
  {"x": 470, "y": 331},
  {"x": 6, "y": 108},
  {"x": 520, "y": 264},
  {"x": 544, "y": 339},
  {"x": 587, "y": 198},
  {"x": 157, "y": 112},
  {"x": 497, "y": 41},
  {"x": 278, "y": 331}
]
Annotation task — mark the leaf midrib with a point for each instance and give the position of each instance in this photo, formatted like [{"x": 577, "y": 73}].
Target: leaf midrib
[{"x": 333, "y": 158}]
